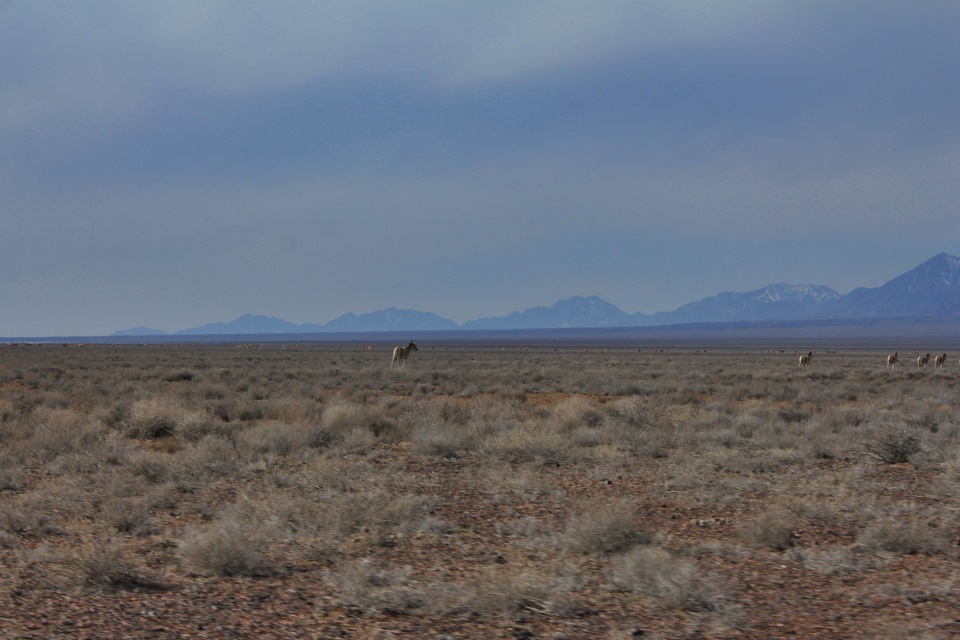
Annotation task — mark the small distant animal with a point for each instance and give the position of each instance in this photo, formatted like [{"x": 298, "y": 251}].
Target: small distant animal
[
  {"x": 400, "y": 354},
  {"x": 805, "y": 359},
  {"x": 893, "y": 359},
  {"x": 940, "y": 360},
  {"x": 923, "y": 360}
]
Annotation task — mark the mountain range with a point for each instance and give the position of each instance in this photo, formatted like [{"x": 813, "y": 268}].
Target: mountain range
[{"x": 932, "y": 289}]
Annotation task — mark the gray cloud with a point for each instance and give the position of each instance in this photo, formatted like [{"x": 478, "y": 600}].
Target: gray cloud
[{"x": 176, "y": 163}]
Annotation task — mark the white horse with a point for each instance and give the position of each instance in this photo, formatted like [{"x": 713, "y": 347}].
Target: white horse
[
  {"x": 922, "y": 361},
  {"x": 893, "y": 359},
  {"x": 940, "y": 360},
  {"x": 400, "y": 354},
  {"x": 805, "y": 359}
]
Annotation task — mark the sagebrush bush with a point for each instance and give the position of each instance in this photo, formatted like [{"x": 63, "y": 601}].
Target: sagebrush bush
[
  {"x": 229, "y": 546},
  {"x": 605, "y": 529},
  {"x": 106, "y": 567},
  {"x": 437, "y": 439},
  {"x": 212, "y": 457},
  {"x": 55, "y": 432},
  {"x": 517, "y": 591},
  {"x": 127, "y": 515},
  {"x": 528, "y": 441},
  {"x": 363, "y": 585},
  {"x": 771, "y": 529},
  {"x": 903, "y": 536},
  {"x": 110, "y": 568},
  {"x": 276, "y": 437},
  {"x": 157, "y": 417},
  {"x": 892, "y": 444},
  {"x": 672, "y": 583}
]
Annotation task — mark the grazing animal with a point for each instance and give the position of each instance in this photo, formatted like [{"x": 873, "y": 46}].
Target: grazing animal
[
  {"x": 893, "y": 359},
  {"x": 923, "y": 360},
  {"x": 805, "y": 359},
  {"x": 400, "y": 354},
  {"x": 940, "y": 360}
]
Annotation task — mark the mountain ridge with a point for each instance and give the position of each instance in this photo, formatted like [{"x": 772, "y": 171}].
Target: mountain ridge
[{"x": 932, "y": 289}]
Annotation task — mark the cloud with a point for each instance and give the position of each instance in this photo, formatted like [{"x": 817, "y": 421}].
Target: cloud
[{"x": 224, "y": 155}]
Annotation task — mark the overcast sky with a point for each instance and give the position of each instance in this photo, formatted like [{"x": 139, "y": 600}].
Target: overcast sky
[{"x": 174, "y": 163}]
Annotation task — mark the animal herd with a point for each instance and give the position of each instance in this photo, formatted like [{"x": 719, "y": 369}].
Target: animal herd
[
  {"x": 922, "y": 360},
  {"x": 892, "y": 360},
  {"x": 401, "y": 353}
]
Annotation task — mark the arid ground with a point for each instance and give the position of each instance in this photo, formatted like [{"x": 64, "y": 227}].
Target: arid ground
[{"x": 310, "y": 491}]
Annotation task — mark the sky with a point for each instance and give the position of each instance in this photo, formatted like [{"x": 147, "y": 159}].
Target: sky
[{"x": 169, "y": 163}]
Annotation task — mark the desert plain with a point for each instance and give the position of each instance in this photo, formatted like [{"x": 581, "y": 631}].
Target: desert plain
[{"x": 310, "y": 490}]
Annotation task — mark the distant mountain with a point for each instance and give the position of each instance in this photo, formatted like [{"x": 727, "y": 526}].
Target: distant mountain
[
  {"x": 773, "y": 302},
  {"x": 391, "y": 319},
  {"x": 572, "y": 312},
  {"x": 140, "y": 331},
  {"x": 931, "y": 289},
  {"x": 244, "y": 324}
]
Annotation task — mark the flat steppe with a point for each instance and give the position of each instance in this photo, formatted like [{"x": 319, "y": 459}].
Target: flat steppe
[{"x": 311, "y": 491}]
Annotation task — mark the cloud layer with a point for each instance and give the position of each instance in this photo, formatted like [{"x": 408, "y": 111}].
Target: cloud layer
[{"x": 175, "y": 163}]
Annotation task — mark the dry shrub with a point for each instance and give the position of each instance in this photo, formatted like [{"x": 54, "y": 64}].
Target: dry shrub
[
  {"x": 671, "y": 582},
  {"x": 628, "y": 411},
  {"x": 275, "y": 437},
  {"x": 905, "y": 535},
  {"x": 528, "y": 442},
  {"x": 503, "y": 482},
  {"x": 892, "y": 444},
  {"x": 437, "y": 439},
  {"x": 407, "y": 513},
  {"x": 842, "y": 509},
  {"x": 362, "y": 585},
  {"x": 533, "y": 530},
  {"x": 11, "y": 478},
  {"x": 355, "y": 426},
  {"x": 507, "y": 590},
  {"x": 292, "y": 410},
  {"x": 773, "y": 529},
  {"x": 356, "y": 440},
  {"x": 455, "y": 413},
  {"x": 106, "y": 567},
  {"x": 575, "y": 412},
  {"x": 156, "y": 417},
  {"x": 212, "y": 457},
  {"x": 127, "y": 515},
  {"x": 605, "y": 529},
  {"x": 54, "y": 432},
  {"x": 374, "y": 511},
  {"x": 23, "y": 518},
  {"x": 230, "y": 546},
  {"x": 834, "y": 560},
  {"x": 153, "y": 466}
]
